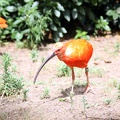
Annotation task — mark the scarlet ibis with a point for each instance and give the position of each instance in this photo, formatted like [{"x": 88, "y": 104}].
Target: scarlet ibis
[
  {"x": 3, "y": 23},
  {"x": 74, "y": 53}
]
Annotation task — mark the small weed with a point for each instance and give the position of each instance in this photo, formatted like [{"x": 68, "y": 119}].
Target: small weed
[
  {"x": 25, "y": 94},
  {"x": 119, "y": 91},
  {"x": 113, "y": 83},
  {"x": 81, "y": 34},
  {"x": 101, "y": 26},
  {"x": 34, "y": 55},
  {"x": 62, "y": 99},
  {"x": 118, "y": 96},
  {"x": 42, "y": 59},
  {"x": 41, "y": 83},
  {"x": 119, "y": 87},
  {"x": 97, "y": 58},
  {"x": 10, "y": 83},
  {"x": 20, "y": 44},
  {"x": 78, "y": 72},
  {"x": 107, "y": 101},
  {"x": 45, "y": 93},
  {"x": 85, "y": 105},
  {"x": 3, "y": 43},
  {"x": 78, "y": 83},
  {"x": 99, "y": 72},
  {"x": 116, "y": 48},
  {"x": 63, "y": 70}
]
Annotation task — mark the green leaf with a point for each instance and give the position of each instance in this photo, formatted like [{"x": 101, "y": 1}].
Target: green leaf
[
  {"x": 90, "y": 14},
  {"x": 19, "y": 36},
  {"x": 27, "y": 1},
  {"x": 60, "y": 34},
  {"x": 57, "y": 13},
  {"x": 110, "y": 12},
  {"x": 17, "y": 22},
  {"x": 113, "y": 13},
  {"x": 67, "y": 15},
  {"x": 107, "y": 28},
  {"x": 81, "y": 18},
  {"x": 11, "y": 8},
  {"x": 56, "y": 37},
  {"x": 74, "y": 13},
  {"x": 94, "y": 2},
  {"x": 35, "y": 4},
  {"x": 16, "y": 35},
  {"x": 60, "y": 7},
  {"x": 63, "y": 30},
  {"x": 87, "y": 1},
  {"x": 115, "y": 16},
  {"x": 82, "y": 10},
  {"x": 79, "y": 2},
  {"x": 53, "y": 27},
  {"x": 118, "y": 10},
  {"x": 26, "y": 31}
]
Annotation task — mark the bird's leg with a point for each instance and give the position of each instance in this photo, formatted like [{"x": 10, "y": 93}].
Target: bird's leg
[
  {"x": 88, "y": 83},
  {"x": 73, "y": 78},
  {"x": 71, "y": 92}
]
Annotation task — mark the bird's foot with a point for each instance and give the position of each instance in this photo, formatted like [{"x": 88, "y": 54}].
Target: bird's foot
[{"x": 89, "y": 89}]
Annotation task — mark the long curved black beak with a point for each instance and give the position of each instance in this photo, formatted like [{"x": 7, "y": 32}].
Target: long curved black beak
[{"x": 50, "y": 57}]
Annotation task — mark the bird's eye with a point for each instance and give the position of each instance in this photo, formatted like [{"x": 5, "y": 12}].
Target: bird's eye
[{"x": 58, "y": 50}]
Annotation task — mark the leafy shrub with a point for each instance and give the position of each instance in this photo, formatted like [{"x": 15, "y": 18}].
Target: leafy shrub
[
  {"x": 27, "y": 22},
  {"x": 31, "y": 24},
  {"x": 32, "y": 21},
  {"x": 57, "y": 10},
  {"x": 9, "y": 82},
  {"x": 113, "y": 13}
]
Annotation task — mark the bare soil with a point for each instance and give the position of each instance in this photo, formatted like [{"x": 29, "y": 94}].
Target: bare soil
[{"x": 104, "y": 77}]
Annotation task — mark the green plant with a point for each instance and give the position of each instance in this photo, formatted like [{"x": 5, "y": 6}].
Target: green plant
[
  {"x": 78, "y": 83},
  {"x": 25, "y": 94},
  {"x": 34, "y": 55},
  {"x": 63, "y": 70},
  {"x": 119, "y": 87},
  {"x": 10, "y": 83},
  {"x": 113, "y": 14},
  {"x": 81, "y": 34},
  {"x": 116, "y": 48},
  {"x": 31, "y": 23},
  {"x": 8, "y": 10},
  {"x": 85, "y": 105},
  {"x": 45, "y": 93},
  {"x": 42, "y": 59},
  {"x": 113, "y": 83},
  {"x": 107, "y": 101},
  {"x": 119, "y": 91},
  {"x": 62, "y": 99},
  {"x": 101, "y": 25},
  {"x": 97, "y": 71},
  {"x": 57, "y": 12}
]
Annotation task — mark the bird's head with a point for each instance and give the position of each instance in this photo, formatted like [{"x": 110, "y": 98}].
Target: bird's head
[
  {"x": 57, "y": 48},
  {"x": 56, "y": 51}
]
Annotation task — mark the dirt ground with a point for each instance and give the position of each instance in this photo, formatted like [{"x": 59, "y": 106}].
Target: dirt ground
[{"x": 104, "y": 75}]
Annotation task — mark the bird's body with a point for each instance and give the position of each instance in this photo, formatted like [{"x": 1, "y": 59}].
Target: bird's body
[{"x": 75, "y": 53}]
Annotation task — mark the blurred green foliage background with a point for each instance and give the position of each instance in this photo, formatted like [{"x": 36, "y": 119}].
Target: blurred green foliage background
[{"x": 32, "y": 21}]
